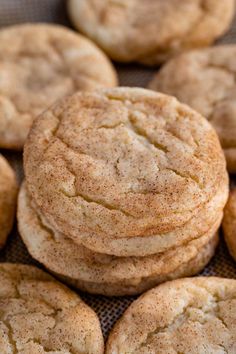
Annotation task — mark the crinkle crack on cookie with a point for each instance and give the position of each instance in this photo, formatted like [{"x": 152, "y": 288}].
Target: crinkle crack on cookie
[
  {"x": 39, "y": 315},
  {"x": 151, "y": 31},
  {"x": 39, "y": 64},
  {"x": 205, "y": 80},
  {"x": 187, "y": 316},
  {"x": 229, "y": 223},
  {"x": 124, "y": 163},
  {"x": 8, "y": 195},
  {"x": 104, "y": 274}
]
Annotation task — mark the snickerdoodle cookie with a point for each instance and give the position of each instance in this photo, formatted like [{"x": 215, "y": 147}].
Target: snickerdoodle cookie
[
  {"x": 205, "y": 79},
  {"x": 104, "y": 274},
  {"x": 187, "y": 316},
  {"x": 40, "y": 63},
  {"x": 116, "y": 169},
  {"x": 229, "y": 223},
  {"x": 150, "y": 31},
  {"x": 8, "y": 195},
  {"x": 39, "y": 315}
]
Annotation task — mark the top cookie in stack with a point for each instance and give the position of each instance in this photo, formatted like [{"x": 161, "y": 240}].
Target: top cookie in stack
[{"x": 126, "y": 172}]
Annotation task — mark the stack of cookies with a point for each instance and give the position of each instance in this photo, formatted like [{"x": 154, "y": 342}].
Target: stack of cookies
[{"x": 125, "y": 188}]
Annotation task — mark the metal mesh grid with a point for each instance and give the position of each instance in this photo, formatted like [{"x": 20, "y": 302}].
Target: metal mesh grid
[{"x": 108, "y": 309}]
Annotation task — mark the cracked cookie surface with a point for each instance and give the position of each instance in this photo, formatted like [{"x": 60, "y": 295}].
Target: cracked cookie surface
[
  {"x": 40, "y": 64},
  {"x": 205, "y": 80},
  {"x": 229, "y": 223},
  {"x": 151, "y": 32},
  {"x": 123, "y": 162},
  {"x": 39, "y": 315},
  {"x": 187, "y": 316},
  {"x": 8, "y": 195},
  {"x": 104, "y": 274}
]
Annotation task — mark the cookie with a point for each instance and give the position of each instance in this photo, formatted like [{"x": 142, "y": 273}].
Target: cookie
[
  {"x": 124, "y": 163},
  {"x": 8, "y": 195},
  {"x": 204, "y": 79},
  {"x": 150, "y": 32},
  {"x": 39, "y": 315},
  {"x": 101, "y": 273},
  {"x": 39, "y": 64},
  {"x": 229, "y": 223},
  {"x": 195, "y": 315}
]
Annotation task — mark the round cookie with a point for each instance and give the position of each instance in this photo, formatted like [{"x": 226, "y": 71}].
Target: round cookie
[
  {"x": 39, "y": 315},
  {"x": 205, "y": 80},
  {"x": 229, "y": 223},
  {"x": 104, "y": 274},
  {"x": 8, "y": 195},
  {"x": 150, "y": 32},
  {"x": 187, "y": 316},
  {"x": 124, "y": 163},
  {"x": 39, "y": 64}
]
